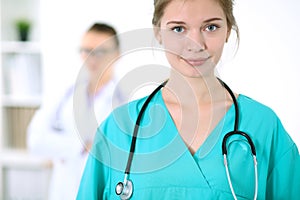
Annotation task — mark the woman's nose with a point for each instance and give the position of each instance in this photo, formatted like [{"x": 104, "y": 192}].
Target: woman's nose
[{"x": 195, "y": 41}]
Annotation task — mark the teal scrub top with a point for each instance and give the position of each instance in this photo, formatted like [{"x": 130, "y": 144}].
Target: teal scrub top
[{"x": 164, "y": 168}]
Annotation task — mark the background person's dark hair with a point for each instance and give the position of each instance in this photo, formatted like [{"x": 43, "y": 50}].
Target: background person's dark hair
[{"x": 105, "y": 28}]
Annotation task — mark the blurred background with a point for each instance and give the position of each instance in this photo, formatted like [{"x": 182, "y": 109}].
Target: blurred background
[{"x": 39, "y": 57}]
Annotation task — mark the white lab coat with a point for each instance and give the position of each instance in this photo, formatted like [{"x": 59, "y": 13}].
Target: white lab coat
[{"x": 65, "y": 147}]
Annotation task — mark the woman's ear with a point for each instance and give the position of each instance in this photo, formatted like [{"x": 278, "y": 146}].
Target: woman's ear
[
  {"x": 228, "y": 35},
  {"x": 157, "y": 34}
]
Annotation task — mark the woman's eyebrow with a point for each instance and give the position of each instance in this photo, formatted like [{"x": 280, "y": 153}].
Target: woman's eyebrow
[
  {"x": 205, "y": 21},
  {"x": 213, "y": 19},
  {"x": 175, "y": 22}
]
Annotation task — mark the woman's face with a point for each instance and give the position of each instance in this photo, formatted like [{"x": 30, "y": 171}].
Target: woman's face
[{"x": 193, "y": 33}]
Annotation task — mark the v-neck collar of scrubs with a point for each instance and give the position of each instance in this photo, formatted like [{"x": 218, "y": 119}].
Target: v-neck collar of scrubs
[
  {"x": 213, "y": 136},
  {"x": 191, "y": 171}
]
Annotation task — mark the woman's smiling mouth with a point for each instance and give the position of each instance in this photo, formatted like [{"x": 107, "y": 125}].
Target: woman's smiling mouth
[{"x": 196, "y": 62}]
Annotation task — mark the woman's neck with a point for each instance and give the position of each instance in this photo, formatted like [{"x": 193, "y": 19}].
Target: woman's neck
[{"x": 202, "y": 90}]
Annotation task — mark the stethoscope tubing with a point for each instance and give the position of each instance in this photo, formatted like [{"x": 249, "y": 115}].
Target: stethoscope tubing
[
  {"x": 237, "y": 132},
  {"x": 127, "y": 185},
  {"x": 137, "y": 125}
]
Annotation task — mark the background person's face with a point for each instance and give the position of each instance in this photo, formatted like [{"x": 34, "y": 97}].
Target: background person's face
[{"x": 98, "y": 51}]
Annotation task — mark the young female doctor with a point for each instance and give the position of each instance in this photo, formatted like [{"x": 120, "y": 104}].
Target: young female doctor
[
  {"x": 54, "y": 133},
  {"x": 192, "y": 138}
]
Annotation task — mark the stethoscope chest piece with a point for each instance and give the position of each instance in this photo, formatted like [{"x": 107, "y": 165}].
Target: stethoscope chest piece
[{"x": 124, "y": 189}]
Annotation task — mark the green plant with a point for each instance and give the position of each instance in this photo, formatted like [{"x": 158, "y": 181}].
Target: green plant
[
  {"x": 23, "y": 27},
  {"x": 23, "y": 24}
]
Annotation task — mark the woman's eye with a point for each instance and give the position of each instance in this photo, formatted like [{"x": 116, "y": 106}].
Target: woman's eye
[
  {"x": 211, "y": 28},
  {"x": 178, "y": 29}
]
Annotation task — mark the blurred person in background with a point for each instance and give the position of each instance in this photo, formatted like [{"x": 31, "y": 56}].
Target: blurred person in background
[{"x": 63, "y": 132}]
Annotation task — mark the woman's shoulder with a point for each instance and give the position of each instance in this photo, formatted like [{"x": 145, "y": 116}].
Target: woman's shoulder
[
  {"x": 260, "y": 118},
  {"x": 132, "y": 107},
  {"x": 253, "y": 111},
  {"x": 250, "y": 105},
  {"x": 125, "y": 115}
]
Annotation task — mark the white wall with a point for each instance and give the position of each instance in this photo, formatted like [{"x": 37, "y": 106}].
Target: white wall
[
  {"x": 64, "y": 22},
  {"x": 266, "y": 66}
]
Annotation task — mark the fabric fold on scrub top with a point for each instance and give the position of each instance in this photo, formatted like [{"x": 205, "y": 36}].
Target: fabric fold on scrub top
[{"x": 164, "y": 168}]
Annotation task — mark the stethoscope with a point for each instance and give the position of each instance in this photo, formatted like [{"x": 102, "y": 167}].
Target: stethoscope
[
  {"x": 57, "y": 124},
  {"x": 125, "y": 189}
]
